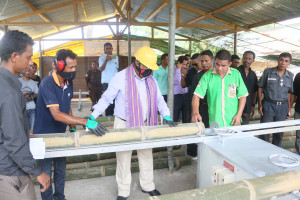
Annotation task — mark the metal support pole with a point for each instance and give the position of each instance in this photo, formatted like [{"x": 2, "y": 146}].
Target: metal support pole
[
  {"x": 5, "y": 29},
  {"x": 152, "y": 32},
  {"x": 129, "y": 34},
  {"x": 172, "y": 26},
  {"x": 199, "y": 148},
  {"x": 235, "y": 43},
  {"x": 82, "y": 33},
  {"x": 40, "y": 60},
  {"x": 118, "y": 35},
  {"x": 129, "y": 45}
]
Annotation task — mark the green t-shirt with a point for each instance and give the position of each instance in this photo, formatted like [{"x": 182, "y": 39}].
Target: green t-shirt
[
  {"x": 161, "y": 76},
  {"x": 222, "y": 95}
]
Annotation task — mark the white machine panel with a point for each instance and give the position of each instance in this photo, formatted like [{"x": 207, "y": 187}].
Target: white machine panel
[{"x": 243, "y": 157}]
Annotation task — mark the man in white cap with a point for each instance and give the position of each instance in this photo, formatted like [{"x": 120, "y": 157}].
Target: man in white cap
[{"x": 137, "y": 102}]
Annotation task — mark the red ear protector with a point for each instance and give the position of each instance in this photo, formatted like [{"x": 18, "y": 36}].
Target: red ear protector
[{"x": 59, "y": 65}]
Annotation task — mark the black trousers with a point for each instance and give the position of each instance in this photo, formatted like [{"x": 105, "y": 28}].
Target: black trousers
[
  {"x": 180, "y": 107},
  {"x": 110, "y": 110},
  {"x": 273, "y": 113}
]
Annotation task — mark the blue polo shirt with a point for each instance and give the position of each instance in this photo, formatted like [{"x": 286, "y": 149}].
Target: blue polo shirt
[
  {"x": 110, "y": 70},
  {"x": 52, "y": 94}
]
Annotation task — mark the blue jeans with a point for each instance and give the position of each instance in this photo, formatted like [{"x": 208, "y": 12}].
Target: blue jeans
[
  {"x": 31, "y": 117},
  {"x": 273, "y": 113},
  {"x": 59, "y": 176}
]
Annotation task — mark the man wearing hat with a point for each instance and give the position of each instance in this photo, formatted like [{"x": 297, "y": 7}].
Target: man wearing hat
[{"x": 137, "y": 103}]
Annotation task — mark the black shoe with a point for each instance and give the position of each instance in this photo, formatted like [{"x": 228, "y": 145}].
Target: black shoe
[
  {"x": 154, "y": 192},
  {"x": 121, "y": 198}
]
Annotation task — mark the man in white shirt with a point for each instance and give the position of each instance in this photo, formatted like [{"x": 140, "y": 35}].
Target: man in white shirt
[
  {"x": 30, "y": 91},
  {"x": 109, "y": 64}
]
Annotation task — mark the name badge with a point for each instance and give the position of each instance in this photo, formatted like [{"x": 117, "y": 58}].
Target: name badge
[
  {"x": 271, "y": 79},
  {"x": 232, "y": 91}
]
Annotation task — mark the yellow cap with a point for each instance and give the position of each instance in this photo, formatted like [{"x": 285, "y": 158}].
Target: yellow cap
[{"x": 147, "y": 57}]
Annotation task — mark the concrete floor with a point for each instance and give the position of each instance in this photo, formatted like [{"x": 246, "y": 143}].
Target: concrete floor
[{"x": 105, "y": 188}]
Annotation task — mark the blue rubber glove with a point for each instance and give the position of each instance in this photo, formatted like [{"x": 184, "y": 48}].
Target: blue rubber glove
[
  {"x": 168, "y": 120},
  {"x": 91, "y": 117},
  {"x": 97, "y": 128},
  {"x": 72, "y": 130}
]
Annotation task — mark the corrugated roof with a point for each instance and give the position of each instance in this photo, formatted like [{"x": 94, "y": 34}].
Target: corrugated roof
[{"x": 247, "y": 14}]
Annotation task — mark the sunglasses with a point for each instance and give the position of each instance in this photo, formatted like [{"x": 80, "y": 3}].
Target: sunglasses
[{"x": 195, "y": 64}]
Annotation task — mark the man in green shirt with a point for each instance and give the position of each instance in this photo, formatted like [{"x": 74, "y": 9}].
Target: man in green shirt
[
  {"x": 226, "y": 93},
  {"x": 161, "y": 75}
]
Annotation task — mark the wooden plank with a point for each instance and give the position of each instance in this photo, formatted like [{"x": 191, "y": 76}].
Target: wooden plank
[
  {"x": 232, "y": 5},
  {"x": 75, "y": 12},
  {"x": 46, "y": 19},
  {"x": 155, "y": 12},
  {"x": 84, "y": 11},
  {"x": 177, "y": 15},
  {"x": 118, "y": 9},
  {"x": 128, "y": 8},
  {"x": 197, "y": 11},
  {"x": 140, "y": 9},
  {"x": 124, "y": 4},
  {"x": 62, "y": 5},
  {"x": 151, "y": 24},
  {"x": 59, "y": 23},
  {"x": 37, "y": 38},
  {"x": 118, "y": 3},
  {"x": 181, "y": 35}
]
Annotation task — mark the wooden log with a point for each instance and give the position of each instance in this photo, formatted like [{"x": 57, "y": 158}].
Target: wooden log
[{"x": 260, "y": 188}]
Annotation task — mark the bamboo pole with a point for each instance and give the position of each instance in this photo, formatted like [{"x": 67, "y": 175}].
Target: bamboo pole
[
  {"x": 66, "y": 140},
  {"x": 254, "y": 189}
]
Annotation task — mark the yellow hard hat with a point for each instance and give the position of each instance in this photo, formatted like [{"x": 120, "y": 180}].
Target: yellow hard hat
[{"x": 147, "y": 57}]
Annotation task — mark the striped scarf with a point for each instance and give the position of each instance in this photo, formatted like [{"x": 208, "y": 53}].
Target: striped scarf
[{"x": 134, "y": 110}]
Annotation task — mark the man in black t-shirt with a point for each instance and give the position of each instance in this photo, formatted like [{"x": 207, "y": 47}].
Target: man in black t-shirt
[
  {"x": 250, "y": 80},
  {"x": 296, "y": 97}
]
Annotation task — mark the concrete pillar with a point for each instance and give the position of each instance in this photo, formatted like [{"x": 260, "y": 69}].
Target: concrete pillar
[{"x": 172, "y": 26}]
